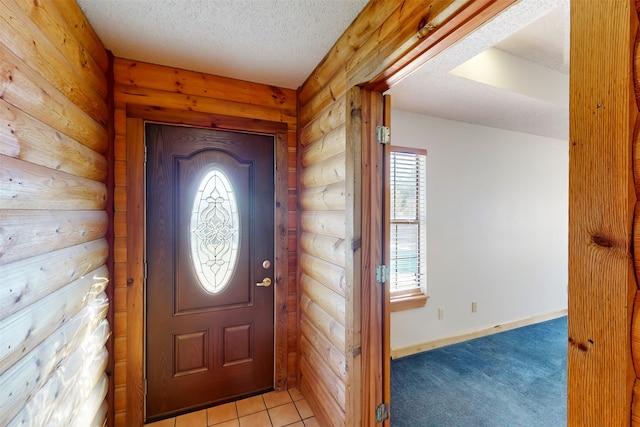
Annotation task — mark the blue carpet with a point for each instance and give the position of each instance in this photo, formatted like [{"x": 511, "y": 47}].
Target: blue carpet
[{"x": 510, "y": 379}]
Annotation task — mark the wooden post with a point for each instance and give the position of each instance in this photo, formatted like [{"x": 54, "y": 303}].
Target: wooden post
[{"x": 602, "y": 199}]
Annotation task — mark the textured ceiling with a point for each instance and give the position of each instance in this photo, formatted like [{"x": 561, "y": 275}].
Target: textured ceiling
[
  {"x": 533, "y": 31},
  {"x": 275, "y": 42},
  {"x": 279, "y": 42}
]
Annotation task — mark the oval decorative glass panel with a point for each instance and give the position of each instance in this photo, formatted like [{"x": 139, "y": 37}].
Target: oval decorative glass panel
[{"x": 214, "y": 232}]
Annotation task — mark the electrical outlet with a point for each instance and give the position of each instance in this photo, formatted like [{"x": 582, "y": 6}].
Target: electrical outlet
[
  {"x": 474, "y": 307},
  {"x": 440, "y": 313}
]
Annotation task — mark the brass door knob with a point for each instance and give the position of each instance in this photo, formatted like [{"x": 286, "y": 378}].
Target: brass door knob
[{"x": 266, "y": 282}]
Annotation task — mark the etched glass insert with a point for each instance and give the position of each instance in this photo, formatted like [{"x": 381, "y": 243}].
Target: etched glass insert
[{"x": 214, "y": 232}]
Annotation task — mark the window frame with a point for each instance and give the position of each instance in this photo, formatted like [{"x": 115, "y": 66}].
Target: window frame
[{"x": 406, "y": 299}]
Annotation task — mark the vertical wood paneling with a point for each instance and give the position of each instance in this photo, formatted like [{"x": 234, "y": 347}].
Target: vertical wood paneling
[
  {"x": 372, "y": 253},
  {"x": 354, "y": 259},
  {"x": 54, "y": 217},
  {"x": 602, "y": 200},
  {"x": 146, "y": 91}
]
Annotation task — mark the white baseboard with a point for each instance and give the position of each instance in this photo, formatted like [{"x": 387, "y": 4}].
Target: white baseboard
[{"x": 430, "y": 345}]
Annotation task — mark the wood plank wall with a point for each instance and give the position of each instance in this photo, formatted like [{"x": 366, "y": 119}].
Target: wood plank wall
[
  {"x": 604, "y": 184},
  {"x": 339, "y": 341},
  {"x": 330, "y": 308},
  {"x": 178, "y": 96},
  {"x": 55, "y": 139}
]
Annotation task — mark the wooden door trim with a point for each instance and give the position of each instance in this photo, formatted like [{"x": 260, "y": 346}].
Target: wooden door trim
[
  {"x": 386, "y": 232},
  {"x": 376, "y": 79},
  {"x": 135, "y": 202},
  {"x": 429, "y": 41},
  {"x": 372, "y": 293}
]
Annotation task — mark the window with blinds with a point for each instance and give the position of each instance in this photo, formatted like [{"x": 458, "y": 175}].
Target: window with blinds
[{"x": 408, "y": 261}]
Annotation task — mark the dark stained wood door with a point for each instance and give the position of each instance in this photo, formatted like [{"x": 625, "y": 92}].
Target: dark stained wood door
[{"x": 209, "y": 245}]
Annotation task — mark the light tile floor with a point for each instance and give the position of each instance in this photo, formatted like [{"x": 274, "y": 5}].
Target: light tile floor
[{"x": 273, "y": 409}]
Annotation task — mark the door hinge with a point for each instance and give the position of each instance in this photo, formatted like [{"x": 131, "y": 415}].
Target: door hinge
[
  {"x": 146, "y": 270},
  {"x": 382, "y": 412},
  {"x": 383, "y": 134},
  {"x": 146, "y": 388},
  {"x": 382, "y": 273},
  {"x": 145, "y": 154}
]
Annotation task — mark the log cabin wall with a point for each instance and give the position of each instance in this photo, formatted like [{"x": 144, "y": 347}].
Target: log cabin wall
[
  {"x": 145, "y": 91},
  {"x": 339, "y": 168},
  {"x": 332, "y": 123},
  {"x": 55, "y": 140}
]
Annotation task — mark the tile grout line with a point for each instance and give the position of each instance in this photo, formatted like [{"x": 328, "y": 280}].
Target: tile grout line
[
  {"x": 267, "y": 409},
  {"x": 264, "y": 402}
]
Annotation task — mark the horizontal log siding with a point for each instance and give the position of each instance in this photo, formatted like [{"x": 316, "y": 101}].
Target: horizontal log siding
[
  {"x": 328, "y": 270},
  {"x": 54, "y": 139},
  {"x": 331, "y": 121},
  {"x": 145, "y": 91},
  {"x": 322, "y": 264}
]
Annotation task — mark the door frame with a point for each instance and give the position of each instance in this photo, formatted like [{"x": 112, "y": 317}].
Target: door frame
[
  {"x": 137, "y": 115},
  {"x": 367, "y": 85}
]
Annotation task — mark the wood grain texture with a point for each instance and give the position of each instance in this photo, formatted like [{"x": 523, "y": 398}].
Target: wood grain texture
[
  {"x": 26, "y": 329},
  {"x": 25, "y": 138},
  {"x": 132, "y": 350},
  {"x": 635, "y": 404},
  {"x": 26, "y": 41},
  {"x": 393, "y": 37},
  {"x": 325, "y": 172},
  {"x": 281, "y": 266},
  {"x": 372, "y": 292},
  {"x": 27, "y": 233},
  {"x": 326, "y": 378},
  {"x": 203, "y": 119},
  {"x": 331, "y": 302},
  {"x": 180, "y": 101},
  {"x": 326, "y": 409},
  {"x": 329, "y": 274},
  {"x": 70, "y": 372},
  {"x": 78, "y": 24},
  {"x": 326, "y": 223},
  {"x": 28, "y": 91},
  {"x": 325, "y": 122},
  {"x": 334, "y": 358},
  {"x": 30, "y": 373},
  {"x": 54, "y": 27},
  {"x": 157, "y": 77},
  {"x": 322, "y": 321},
  {"x": 324, "y": 98},
  {"x": 385, "y": 229},
  {"x": 329, "y": 145},
  {"x": 602, "y": 280},
  {"x": 327, "y": 248},
  {"x": 27, "y": 281},
  {"x": 354, "y": 274},
  {"x": 25, "y": 186},
  {"x": 328, "y": 198}
]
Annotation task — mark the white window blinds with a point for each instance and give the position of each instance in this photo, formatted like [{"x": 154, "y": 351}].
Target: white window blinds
[{"x": 408, "y": 261}]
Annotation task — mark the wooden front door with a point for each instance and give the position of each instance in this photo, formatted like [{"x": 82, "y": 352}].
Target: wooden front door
[{"x": 210, "y": 254}]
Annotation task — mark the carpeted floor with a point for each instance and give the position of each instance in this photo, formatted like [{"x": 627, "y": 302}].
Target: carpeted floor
[{"x": 510, "y": 379}]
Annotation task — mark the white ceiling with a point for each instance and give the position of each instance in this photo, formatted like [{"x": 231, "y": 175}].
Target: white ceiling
[
  {"x": 279, "y": 42},
  {"x": 535, "y": 35}
]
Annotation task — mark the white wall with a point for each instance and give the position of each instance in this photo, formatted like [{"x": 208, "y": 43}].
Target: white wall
[{"x": 497, "y": 227}]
